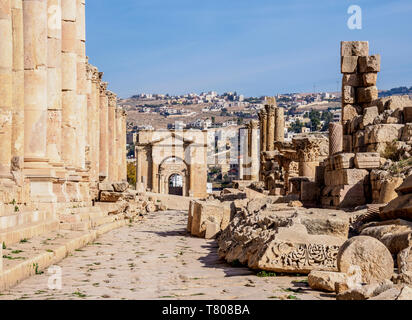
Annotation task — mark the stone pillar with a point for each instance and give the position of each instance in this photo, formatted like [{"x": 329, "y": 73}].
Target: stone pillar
[
  {"x": 80, "y": 45},
  {"x": 280, "y": 125},
  {"x": 335, "y": 138},
  {"x": 263, "y": 130},
  {"x": 69, "y": 84},
  {"x": 119, "y": 146},
  {"x": 54, "y": 80},
  {"x": 271, "y": 128},
  {"x": 123, "y": 175},
  {"x": 17, "y": 144},
  {"x": 254, "y": 150},
  {"x": 36, "y": 164},
  {"x": 6, "y": 84},
  {"x": 104, "y": 143},
  {"x": 112, "y": 162}
]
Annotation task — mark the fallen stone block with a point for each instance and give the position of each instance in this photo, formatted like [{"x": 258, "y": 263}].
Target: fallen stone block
[
  {"x": 399, "y": 208},
  {"x": 406, "y": 186},
  {"x": 367, "y": 160},
  {"x": 324, "y": 280},
  {"x": 120, "y": 186},
  {"x": 105, "y": 186},
  {"x": 107, "y": 196},
  {"x": 383, "y": 133}
]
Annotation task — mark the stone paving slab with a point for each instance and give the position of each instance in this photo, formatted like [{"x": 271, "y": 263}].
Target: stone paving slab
[{"x": 157, "y": 259}]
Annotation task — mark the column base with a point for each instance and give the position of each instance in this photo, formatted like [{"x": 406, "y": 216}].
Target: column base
[{"x": 41, "y": 177}]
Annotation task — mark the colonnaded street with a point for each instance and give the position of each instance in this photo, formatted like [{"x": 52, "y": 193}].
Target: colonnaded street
[{"x": 157, "y": 259}]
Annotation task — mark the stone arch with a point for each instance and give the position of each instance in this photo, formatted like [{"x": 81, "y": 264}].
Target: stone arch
[{"x": 169, "y": 167}]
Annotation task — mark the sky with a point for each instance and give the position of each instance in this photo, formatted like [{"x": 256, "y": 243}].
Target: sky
[{"x": 256, "y": 48}]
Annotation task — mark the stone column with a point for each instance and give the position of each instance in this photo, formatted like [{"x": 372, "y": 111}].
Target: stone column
[
  {"x": 112, "y": 136},
  {"x": 280, "y": 125},
  {"x": 69, "y": 84},
  {"x": 104, "y": 143},
  {"x": 335, "y": 138},
  {"x": 37, "y": 168},
  {"x": 123, "y": 156},
  {"x": 270, "y": 146},
  {"x": 17, "y": 144},
  {"x": 54, "y": 80},
  {"x": 254, "y": 153},
  {"x": 6, "y": 84},
  {"x": 81, "y": 125},
  {"x": 119, "y": 150},
  {"x": 263, "y": 130}
]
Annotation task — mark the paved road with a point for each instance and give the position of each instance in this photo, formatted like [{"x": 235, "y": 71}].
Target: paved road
[{"x": 157, "y": 259}]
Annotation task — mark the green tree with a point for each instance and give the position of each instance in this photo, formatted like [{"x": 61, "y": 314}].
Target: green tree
[
  {"x": 131, "y": 173},
  {"x": 314, "y": 117},
  {"x": 296, "y": 127}
]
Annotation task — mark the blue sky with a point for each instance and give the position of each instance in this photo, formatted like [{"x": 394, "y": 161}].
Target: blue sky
[{"x": 259, "y": 47}]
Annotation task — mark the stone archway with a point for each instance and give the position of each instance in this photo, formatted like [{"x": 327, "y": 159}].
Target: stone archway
[{"x": 173, "y": 176}]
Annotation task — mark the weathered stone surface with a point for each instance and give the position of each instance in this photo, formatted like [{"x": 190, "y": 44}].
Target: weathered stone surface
[
  {"x": 349, "y": 112},
  {"x": 406, "y": 186},
  {"x": 352, "y": 79},
  {"x": 349, "y": 64},
  {"x": 407, "y": 111},
  {"x": 120, "y": 186},
  {"x": 368, "y": 94},
  {"x": 383, "y": 133},
  {"x": 367, "y": 160},
  {"x": 387, "y": 192},
  {"x": 285, "y": 240},
  {"x": 369, "y": 79},
  {"x": 366, "y": 292},
  {"x": 403, "y": 293},
  {"x": 324, "y": 280},
  {"x": 399, "y": 208},
  {"x": 370, "y": 63},
  {"x": 354, "y": 48},
  {"x": 369, "y": 115},
  {"x": 393, "y": 103},
  {"x": 213, "y": 211},
  {"x": 105, "y": 186},
  {"x": 370, "y": 255},
  {"x": 348, "y": 93},
  {"x": 107, "y": 196}
]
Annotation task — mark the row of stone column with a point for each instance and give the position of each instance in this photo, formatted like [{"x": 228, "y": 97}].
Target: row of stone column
[{"x": 57, "y": 120}]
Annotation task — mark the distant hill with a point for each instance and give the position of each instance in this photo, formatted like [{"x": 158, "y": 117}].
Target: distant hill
[{"x": 396, "y": 91}]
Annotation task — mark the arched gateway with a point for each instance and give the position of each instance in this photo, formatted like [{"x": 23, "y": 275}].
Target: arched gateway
[{"x": 172, "y": 162}]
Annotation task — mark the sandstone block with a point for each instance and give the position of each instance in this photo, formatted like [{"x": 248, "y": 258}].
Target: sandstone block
[
  {"x": 349, "y": 112},
  {"x": 393, "y": 103},
  {"x": 387, "y": 191},
  {"x": 370, "y": 63},
  {"x": 344, "y": 161},
  {"x": 383, "y": 133},
  {"x": 107, "y": 196},
  {"x": 366, "y": 95},
  {"x": 352, "y": 79},
  {"x": 212, "y": 229},
  {"x": 369, "y": 79},
  {"x": 120, "y": 186},
  {"x": 354, "y": 48},
  {"x": 370, "y": 255},
  {"x": 359, "y": 140},
  {"x": 203, "y": 211},
  {"x": 400, "y": 207},
  {"x": 349, "y": 196},
  {"x": 349, "y": 64},
  {"x": 324, "y": 280},
  {"x": 105, "y": 186},
  {"x": 368, "y": 160},
  {"x": 369, "y": 115},
  {"x": 349, "y": 94},
  {"x": 406, "y": 186}
]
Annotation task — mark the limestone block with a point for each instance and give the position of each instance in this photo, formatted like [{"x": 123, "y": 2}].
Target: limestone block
[
  {"x": 349, "y": 196},
  {"x": 369, "y": 79},
  {"x": 349, "y": 112},
  {"x": 367, "y": 160},
  {"x": 212, "y": 229},
  {"x": 310, "y": 192},
  {"x": 350, "y": 176},
  {"x": 354, "y": 48},
  {"x": 344, "y": 161},
  {"x": 393, "y": 103},
  {"x": 69, "y": 10},
  {"x": 370, "y": 255},
  {"x": 355, "y": 124},
  {"x": 347, "y": 143},
  {"x": 324, "y": 280},
  {"x": 359, "y": 139},
  {"x": 406, "y": 186},
  {"x": 204, "y": 211},
  {"x": 120, "y": 186},
  {"x": 369, "y": 115},
  {"x": 407, "y": 133},
  {"x": 348, "y": 94},
  {"x": 366, "y": 292},
  {"x": 54, "y": 50},
  {"x": 368, "y": 94},
  {"x": 69, "y": 71},
  {"x": 400, "y": 207},
  {"x": 387, "y": 191},
  {"x": 105, "y": 186},
  {"x": 383, "y": 133},
  {"x": 370, "y": 63},
  {"x": 349, "y": 64},
  {"x": 352, "y": 79},
  {"x": 407, "y": 112},
  {"x": 107, "y": 196}
]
